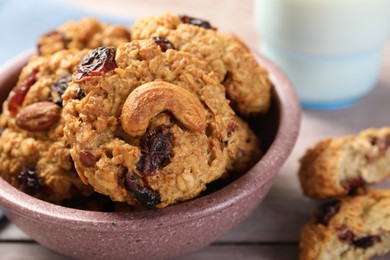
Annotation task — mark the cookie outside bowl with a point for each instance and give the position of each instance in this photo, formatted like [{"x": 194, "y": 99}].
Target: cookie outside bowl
[{"x": 158, "y": 233}]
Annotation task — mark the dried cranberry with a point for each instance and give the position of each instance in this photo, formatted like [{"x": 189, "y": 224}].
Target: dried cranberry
[
  {"x": 144, "y": 195},
  {"x": 29, "y": 180},
  {"x": 80, "y": 94},
  {"x": 156, "y": 149},
  {"x": 19, "y": 93},
  {"x": 58, "y": 88},
  {"x": 196, "y": 21},
  {"x": 365, "y": 242},
  {"x": 95, "y": 64},
  {"x": 353, "y": 184},
  {"x": 87, "y": 159},
  {"x": 164, "y": 43},
  {"x": 326, "y": 211},
  {"x": 345, "y": 234}
]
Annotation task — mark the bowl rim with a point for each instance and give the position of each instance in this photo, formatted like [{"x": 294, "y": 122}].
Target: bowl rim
[{"x": 20, "y": 203}]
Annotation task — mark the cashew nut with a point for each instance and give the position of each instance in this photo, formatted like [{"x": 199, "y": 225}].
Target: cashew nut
[{"x": 152, "y": 98}]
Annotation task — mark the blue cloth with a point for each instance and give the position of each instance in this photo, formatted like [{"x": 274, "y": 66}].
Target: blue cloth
[{"x": 22, "y": 22}]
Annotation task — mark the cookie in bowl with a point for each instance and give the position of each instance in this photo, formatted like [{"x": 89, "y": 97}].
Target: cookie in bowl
[
  {"x": 246, "y": 82},
  {"x": 86, "y": 33},
  {"x": 34, "y": 156},
  {"x": 150, "y": 125},
  {"x": 139, "y": 234}
]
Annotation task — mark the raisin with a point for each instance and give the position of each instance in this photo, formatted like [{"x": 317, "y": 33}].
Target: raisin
[
  {"x": 29, "y": 180},
  {"x": 196, "y": 21},
  {"x": 365, "y": 242},
  {"x": 156, "y": 150},
  {"x": 326, "y": 211},
  {"x": 345, "y": 234},
  {"x": 19, "y": 93},
  {"x": 80, "y": 94},
  {"x": 164, "y": 43},
  {"x": 87, "y": 159},
  {"x": 95, "y": 64},
  {"x": 1, "y": 131},
  {"x": 58, "y": 88},
  {"x": 144, "y": 195}
]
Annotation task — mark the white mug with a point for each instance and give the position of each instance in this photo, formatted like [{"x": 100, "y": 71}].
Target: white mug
[{"x": 331, "y": 50}]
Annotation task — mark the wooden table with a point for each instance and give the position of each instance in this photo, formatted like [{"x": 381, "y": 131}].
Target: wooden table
[{"x": 272, "y": 231}]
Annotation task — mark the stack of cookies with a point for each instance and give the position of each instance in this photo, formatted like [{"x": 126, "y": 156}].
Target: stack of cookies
[
  {"x": 147, "y": 118},
  {"x": 355, "y": 222}
]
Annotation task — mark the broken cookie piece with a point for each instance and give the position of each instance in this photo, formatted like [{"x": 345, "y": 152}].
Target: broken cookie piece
[
  {"x": 349, "y": 228},
  {"x": 338, "y": 166}
]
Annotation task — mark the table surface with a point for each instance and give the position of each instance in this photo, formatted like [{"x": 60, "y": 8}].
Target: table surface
[{"x": 272, "y": 231}]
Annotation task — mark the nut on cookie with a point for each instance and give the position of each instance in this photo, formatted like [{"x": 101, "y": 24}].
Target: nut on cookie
[{"x": 34, "y": 155}]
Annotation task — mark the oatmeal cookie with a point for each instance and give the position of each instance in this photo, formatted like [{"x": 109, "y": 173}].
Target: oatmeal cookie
[
  {"x": 336, "y": 166},
  {"x": 148, "y": 125},
  {"x": 86, "y": 33},
  {"x": 349, "y": 228},
  {"x": 34, "y": 156},
  {"x": 246, "y": 82},
  {"x": 247, "y": 148}
]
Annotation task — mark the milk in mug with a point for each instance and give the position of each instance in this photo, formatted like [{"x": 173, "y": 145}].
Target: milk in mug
[{"x": 331, "y": 50}]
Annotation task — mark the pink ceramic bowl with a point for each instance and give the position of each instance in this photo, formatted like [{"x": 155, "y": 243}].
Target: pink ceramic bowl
[{"x": 158, "y": 233}]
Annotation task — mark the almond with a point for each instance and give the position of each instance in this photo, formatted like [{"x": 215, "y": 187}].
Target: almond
[{"x": 38, "y": 116}]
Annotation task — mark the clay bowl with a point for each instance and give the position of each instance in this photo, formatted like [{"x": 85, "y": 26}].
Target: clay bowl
[{"x": 158, "y": 233}]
